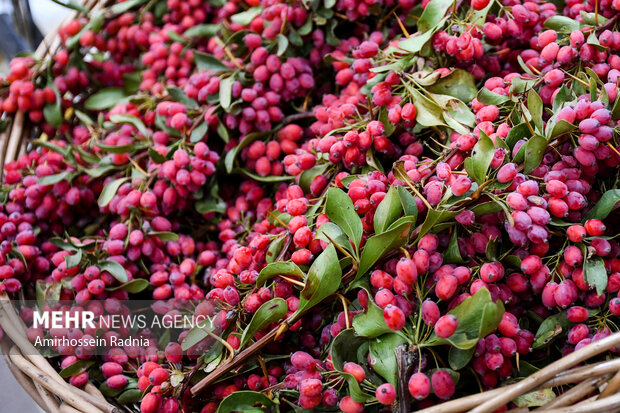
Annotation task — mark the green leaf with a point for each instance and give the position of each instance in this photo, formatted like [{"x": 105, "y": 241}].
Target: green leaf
[
  {"x": 115, "y": 269},
  {"x": 156, "y": 156},
  {"x": 226, "y": 92},
  {"x": 518, "y": 132},
  {"x": 275, "y": 269},
  {"x": 245, "y": 401},
  {"x": 180, "y": 96},
  {"x": 379, "y": 245},
  {"x": 453, "y": 254},
  {"x": 534, "y": 152},
  {"x": 535, "y": 398},
  {"x": 133, "y": 286},
  {"x": 344, "y": 349},
  {"x": 270, "y": 312},
  {"x": 105, "y": 99},
  {"x": 562, "y": 24},
  {"x": 459, "y": 84},
  {"x": 433, "y": 13},
  {"x": 382, "y": 357},
  {"x": 388, "y": 211},
  {"x": 340, "y": 210},
  {"x": 53, "y": 114},
  {"x": 52, "y": 179},
  {"x": 595, "y": 273},
  {"x": 202, "y": 30},
  {"x": 477, "y": 315},
  {"x": 434, "y": 218},
  {"x": 206, "y": 61},
  {"x": 429, "y": 113},
  {"x": 78, "y": 367},
  {"x": 109, "y": 191},
  {"x": 120, "y": 8},
  {"x": 132, "y": 120},
  {"x": 415, "y": 43},
  {"x": 165, "y": 236},
  {"x": 458, "y": 358},
  {"x": 408, "y": 202},
  {"x": 370, "y": 323},
  {"x": 198, "y": 333},
  {"x": 282, "y": 44},
  {"x": 550, "y": 328},
  {"x": 244, "y": 18},
  {"x": 120, "y": 149},
  {"x": 592, "y": 19},
  {"x": 329, "y": 232},
  {"x": 486, "y": 97},
  {"x": 73, "y": 5},
  {"x": 559, "y": 128},
  {"x": 131, "y": 395},
  {"x": 322, "y": 281},
  {"x": 478, "y": 163},
  {"x": 74, "y": 260},
  {"x": 199, "y": 132},
  {"x": 307, "y": 176},
  {"x": 605, "y": 205}
]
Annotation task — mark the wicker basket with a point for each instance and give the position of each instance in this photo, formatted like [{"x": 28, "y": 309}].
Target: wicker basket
[{"x": 596, "y": 390}]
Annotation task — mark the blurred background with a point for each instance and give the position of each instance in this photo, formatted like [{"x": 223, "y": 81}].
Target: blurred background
[{"x": 22, "y": 25}]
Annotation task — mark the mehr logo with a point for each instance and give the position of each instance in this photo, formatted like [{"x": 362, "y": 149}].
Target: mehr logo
[{"x": 63, "y": 319}]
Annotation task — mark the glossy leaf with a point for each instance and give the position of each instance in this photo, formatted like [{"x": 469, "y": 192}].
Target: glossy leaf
[
  {"x": 245, "y": 401},
  {"x": 535, "y": 106},
  {"x": 329, "y": 232},
  {"x": 379, "y": 245},
  {"x": 487, "y": 97},
  {"x": 180, "y": 96},
  {"x": 270, "y": 312},
  {"x": 562, "y": 24},
  {"x": 343, "y": 350},
  {"x": 453, "y": 254},
  {"x": 165, "y": 236},
  {"x": 407, "y": 201},
  {"x": 132, "y": 120},
  {"x": 133, "y": 286},
  {"x": 206, "y": 61},
  {"x": 595, "y": 273},
  {"x": 226, "y": 92},
  {"x": 109, "y": 191},
  {"x": 115, "y": 269},
  {"x": 459, "y": 84},
  {"x": 245, "y": 17},
  {"x": 605, "y": 205},
  {"x": 370, "y": 323},
  {"x": 477, "y": 315},
  {"x": 275, "y": 269},
  {"x": 478, "y": 163},
  {"x": 340, "y": 210},
  {"x": 76, "y": 368},
  {"x": 202, "y": 30},
  {"x": 52, "y": 179},
  {"x": 458, "y": 358},
  {"x": 388, "y": 211},
  {"x": 323, "y": 280},
  {"x": 105, "y": 99},
  {"x": 433, "y": 13},
  {"x": 383, "y": 358},
  {"x": 534, "y": 152}
]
